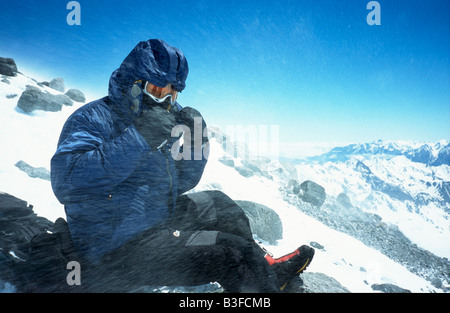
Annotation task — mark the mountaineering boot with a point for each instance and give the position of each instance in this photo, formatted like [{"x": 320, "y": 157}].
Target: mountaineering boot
[{"x": 292, "y": 264}]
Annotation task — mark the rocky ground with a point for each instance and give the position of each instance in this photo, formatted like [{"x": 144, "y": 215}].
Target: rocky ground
[{"x": 369, "y": 229}]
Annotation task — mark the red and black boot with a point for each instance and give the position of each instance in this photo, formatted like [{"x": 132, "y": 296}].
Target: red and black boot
[{"x": 292, "y": 264}]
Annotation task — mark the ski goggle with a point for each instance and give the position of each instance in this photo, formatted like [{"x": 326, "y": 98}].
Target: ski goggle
[{"x": 161, "y": 94}]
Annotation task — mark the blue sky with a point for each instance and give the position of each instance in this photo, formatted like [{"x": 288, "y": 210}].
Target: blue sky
[{"x": 315, "y": 68}]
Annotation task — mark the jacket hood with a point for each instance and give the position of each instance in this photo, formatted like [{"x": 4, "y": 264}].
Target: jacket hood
[{"x": 154, "y": 61}]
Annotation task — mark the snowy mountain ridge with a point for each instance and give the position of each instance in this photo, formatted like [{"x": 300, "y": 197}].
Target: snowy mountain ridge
[
  {"x": 402, "y": 191},
  {"x": 358, "y": 211},
  {"x": 432, "y": 154}
]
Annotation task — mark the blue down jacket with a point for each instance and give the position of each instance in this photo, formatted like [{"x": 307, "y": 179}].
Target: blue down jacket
[{"x": 112, "y": 184}]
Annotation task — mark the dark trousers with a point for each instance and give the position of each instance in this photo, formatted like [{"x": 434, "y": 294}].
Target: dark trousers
[{"x": 208, "y": 239}]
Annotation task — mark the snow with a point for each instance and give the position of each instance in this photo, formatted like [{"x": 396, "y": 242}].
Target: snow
[
  {"x": 33, "y": 139},
  {"x": 346, "y": 259},
  {"x": 428, "y": 228}
]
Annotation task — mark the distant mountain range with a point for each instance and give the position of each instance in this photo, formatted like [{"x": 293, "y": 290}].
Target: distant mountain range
[{"x": 433, "y": 154}]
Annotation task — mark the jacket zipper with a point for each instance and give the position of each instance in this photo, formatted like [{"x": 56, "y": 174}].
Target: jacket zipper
[
  {"x": 170, "y": 201},
  {"x": 168, "y": 171}
]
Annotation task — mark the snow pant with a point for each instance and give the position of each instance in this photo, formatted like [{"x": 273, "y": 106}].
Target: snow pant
[{"x": 208, "y": 239}]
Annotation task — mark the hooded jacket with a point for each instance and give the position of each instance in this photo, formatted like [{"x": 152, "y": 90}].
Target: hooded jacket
[{"x": 112, "y": 184}]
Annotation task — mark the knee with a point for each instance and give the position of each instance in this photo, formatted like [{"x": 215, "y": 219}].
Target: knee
[
  {"x": 234, "y": 242},
  {"x": 217, "y": 194},
  {"x": 221, "y": 200}
]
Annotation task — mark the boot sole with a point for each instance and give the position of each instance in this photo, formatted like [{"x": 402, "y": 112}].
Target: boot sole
[{"x": 309, "y": 252}]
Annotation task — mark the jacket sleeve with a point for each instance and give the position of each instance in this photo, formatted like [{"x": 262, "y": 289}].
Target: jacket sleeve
[
  {"x": 192, "y": 164},
  {"x": 89, "y": 162},
  {"x": 190, "y": 171}
]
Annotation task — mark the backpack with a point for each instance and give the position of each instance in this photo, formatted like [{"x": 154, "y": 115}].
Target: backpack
[
  {"x": 48, "y": 256},
  {"x": 34, "y": 252}
]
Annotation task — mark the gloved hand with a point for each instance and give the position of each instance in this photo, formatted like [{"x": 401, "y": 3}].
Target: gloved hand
[
  {"x": 187, "y": 117},
  {"x": 155, "y": 125}
]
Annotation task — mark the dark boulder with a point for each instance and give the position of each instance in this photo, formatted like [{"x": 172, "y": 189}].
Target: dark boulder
[
  {"x": 76, "y": 95},
  {"x": 264, "y": 222},
  {"x": 389, "y": 288},
  {"x": 57, "y": 84},
  {"x": 309, "y": 282},
  {"x": 8, "y": 67},
  {"x": 35, "y": 99},
  {"x": 313, "y": 193},
  {"x": 34, "y": 172},
  {"x": 344, "y": 200}
]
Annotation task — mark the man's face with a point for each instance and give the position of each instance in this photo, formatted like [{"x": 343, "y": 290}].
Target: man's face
[{"x": 162, "y": 92}]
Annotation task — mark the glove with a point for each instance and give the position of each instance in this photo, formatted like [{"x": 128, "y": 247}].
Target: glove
[
  {"x": 187, "y": 117},
  {"x": 155, "y": 125}
]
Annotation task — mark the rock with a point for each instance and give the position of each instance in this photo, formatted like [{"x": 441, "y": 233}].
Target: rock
[
  {"x": 44, "y": 83},
  {"x": 76, "y": 95},
  {"x": 39, "y": 172},
  {"x": 313, "y": 193},
  {"x": 253, "y": 166},
  {"x": 8, "y": 67},
  {"x": 246, "y": 172},
  {"x": 57, "y": 84},
  {"x": 444, "y": 190},
  {"x": 264, "y": 222},
  {"x": 5, "y": 80},
  {"x": 344, "y": 200},
  {"x": 443, "y": 157},
  {"x": 294, "y": 185},
  {"x": 227, "y": 162},
  {"x": 35, "y": 99},
  {"x": 389, "y": 288},
  {"x": 315, "y": 283},
  {"x": 436, "y": 282},
  {"x": 259, "y": 167},
  {"x": 317, "y": 245}
]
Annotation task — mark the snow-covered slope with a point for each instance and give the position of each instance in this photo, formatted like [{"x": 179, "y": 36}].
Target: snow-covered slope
[
  {"x": 412, "y": 195},
  {"x": 355, "y": 265},
  {"x": 32, "y": 138}
]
